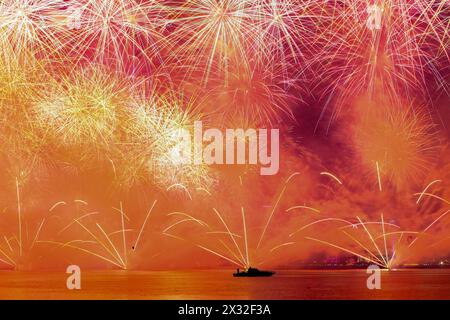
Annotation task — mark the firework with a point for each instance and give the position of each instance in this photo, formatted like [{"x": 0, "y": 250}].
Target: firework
[
  {"x": 229, "y": 234},
  {"x": 154, "y": 148},
  {"x": 28, "y": 29},
  {"x": 286, "y": 31},
  {"x": 96, "y": 97},
  {"x": 119, "y": 33},
  {"x": 213, "y": 33},
  {"x": 106, "y": 238},
  {"x": 376, "y": 242},
  {"x": 17, "y": 244},
  {"x": 83, "y": 109},
  {"x": 258, "y": 95},
  {"x": 402, "y": 56},
  {"x": 395, "y": 144}
]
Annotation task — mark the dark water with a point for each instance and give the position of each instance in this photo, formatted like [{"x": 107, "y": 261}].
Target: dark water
[{"x": 293, "y": 284}]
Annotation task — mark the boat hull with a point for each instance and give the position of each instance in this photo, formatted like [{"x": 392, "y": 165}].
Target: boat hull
[{"x": 258, "y": 274}]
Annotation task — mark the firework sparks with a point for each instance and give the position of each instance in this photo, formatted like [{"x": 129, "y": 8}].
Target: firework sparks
[
  {"x": 400, "y": 56},
  {"x": 95, "y": 97},
  {"x": 107, "y": 32},
  {"x": 28, "y": 28}
]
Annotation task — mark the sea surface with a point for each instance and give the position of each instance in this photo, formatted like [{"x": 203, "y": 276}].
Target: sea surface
[{"x": 220, "y": 284}]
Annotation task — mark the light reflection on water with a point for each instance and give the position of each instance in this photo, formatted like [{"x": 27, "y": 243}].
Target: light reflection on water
[{"x": 286, "y": 284}]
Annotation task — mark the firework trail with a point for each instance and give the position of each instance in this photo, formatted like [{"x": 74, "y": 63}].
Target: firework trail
[
  {"x": 95, "y": 95},
  {"x": 407, "y": 51}
]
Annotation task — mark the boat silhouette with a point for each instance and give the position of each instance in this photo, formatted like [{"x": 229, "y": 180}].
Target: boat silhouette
[{"x": 253, "y": 272}]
